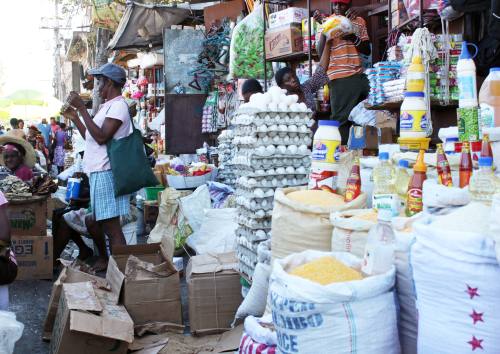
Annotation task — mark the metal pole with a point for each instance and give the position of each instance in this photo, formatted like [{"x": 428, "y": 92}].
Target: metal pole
[
  {"x": 57, "y": 64},
  {"x": 421, "y": 13},
  {"x": 264, "y": 44}
]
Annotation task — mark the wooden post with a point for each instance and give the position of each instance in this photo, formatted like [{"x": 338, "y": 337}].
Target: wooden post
[{"x": 101, "y": 58}]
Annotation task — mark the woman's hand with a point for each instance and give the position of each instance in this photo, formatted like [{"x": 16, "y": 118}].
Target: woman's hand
[
  {"x": 75, "y": 100},
  {"x": 70, "y": 113}
]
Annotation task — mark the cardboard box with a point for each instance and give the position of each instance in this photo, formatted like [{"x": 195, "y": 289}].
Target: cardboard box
[
  {"x": 68, "y": 275},
  {"x": 214, "y": 292},
  {"x": 28, "y": 217},
  {"x": 291, "y": 15},
  {"x": 283, "y": 41},
  {"x": 89, "y": 321},
  {"x": 34, "y": 256},
  {"x": 150, "y": 297}
]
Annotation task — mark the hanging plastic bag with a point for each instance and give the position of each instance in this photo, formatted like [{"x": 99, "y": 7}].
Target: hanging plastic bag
[
  {"x": 247, "y": 47},
  {"x": 334, "y": 25},
  {"x": 10, "y": 331}
]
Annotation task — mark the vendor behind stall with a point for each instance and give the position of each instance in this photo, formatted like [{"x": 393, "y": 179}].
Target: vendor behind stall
[
  {"x": 18, "y": 156},
  {"x": 348, "y": 84},
  {"x": 287, "y": 79},
  {"x": 250, "y": 87}
]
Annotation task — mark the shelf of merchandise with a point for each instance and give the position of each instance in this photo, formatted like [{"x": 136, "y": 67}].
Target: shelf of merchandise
[
  {"x": 296, "y": 57},
  {"x": 396, "y": 106}
]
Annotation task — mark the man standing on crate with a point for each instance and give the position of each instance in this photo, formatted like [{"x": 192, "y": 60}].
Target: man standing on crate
[{"x": 348, "y": 84}]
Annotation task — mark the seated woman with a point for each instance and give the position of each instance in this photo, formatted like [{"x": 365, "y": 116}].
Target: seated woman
[
  {"x": 18, "y": 156},
  {"x": 287, "y": 79}
]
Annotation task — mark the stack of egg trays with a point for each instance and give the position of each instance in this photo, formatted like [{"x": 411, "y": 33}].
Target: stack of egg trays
[
  {"x": 226, "y": 153},
  {"x": 271, "y": 152}
]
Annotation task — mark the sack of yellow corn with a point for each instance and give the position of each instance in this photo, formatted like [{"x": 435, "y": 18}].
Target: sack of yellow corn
[
  {"x": 349, "y": 315},
  {"x": 335, "y": 24}
]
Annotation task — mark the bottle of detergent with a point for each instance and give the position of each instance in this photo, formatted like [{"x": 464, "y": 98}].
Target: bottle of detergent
[
  {"x": 466, "y": 75},
  {"x": 489, "y": 101},
  {"x": 415, "y": 77}
]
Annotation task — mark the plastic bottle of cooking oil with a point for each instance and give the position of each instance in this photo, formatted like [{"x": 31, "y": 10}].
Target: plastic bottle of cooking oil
[
  {"x": 483, "y": 184},
  {"x": 402, "y": 181},
  {"x": 384, "y": 191}
]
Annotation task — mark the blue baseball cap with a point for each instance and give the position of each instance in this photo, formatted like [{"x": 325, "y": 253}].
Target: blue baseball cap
[{"x": 112, "y": 71}]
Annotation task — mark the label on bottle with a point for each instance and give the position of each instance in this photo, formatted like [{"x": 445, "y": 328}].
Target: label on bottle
[
  {"x": 486, "y": 118},
  {"x": 413, "y": 121},
  {"x": 414, "y": 201},
  {"x": 326, "y": 151},
  {"x": 322, "y": 179},
  {"x": 445, "y": 179},
  {"x": 464, "y": 176},
  {"x": 387, "y": 202},
  {"x": 466, "y": 87},
  {"x": 353, "y": 189}
]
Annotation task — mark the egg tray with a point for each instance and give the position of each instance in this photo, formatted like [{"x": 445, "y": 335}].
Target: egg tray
[
  {"x": 253, "y": 235},
  {"x": 253, "y": 205},
  {"x": 264, "y": 183},
  {"x": 246, "y": 209},
  {"x": 281, "y": 129},
  {"x": 246, "y": 271},
  {"x": 247, "y": 247},
  {"x": 257, "y": 195},
  {"x": 258, "y": 224},
  {"x": 257, "y": 142},
  {"x": 288, "y": 170},
  {"x": 303, "y": 156}
]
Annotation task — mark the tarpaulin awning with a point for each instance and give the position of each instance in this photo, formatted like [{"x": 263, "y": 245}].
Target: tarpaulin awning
[{"x": 142, "y": 25}]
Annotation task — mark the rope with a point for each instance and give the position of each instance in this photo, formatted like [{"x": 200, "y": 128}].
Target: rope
[{"x": 422, "y": 44}]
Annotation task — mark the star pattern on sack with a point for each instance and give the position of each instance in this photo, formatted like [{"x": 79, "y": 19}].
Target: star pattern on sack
[
  {"x": 472, "y": 291},
  {"x": 476, "y": 343},
  {"x": 476, "y": 316}
]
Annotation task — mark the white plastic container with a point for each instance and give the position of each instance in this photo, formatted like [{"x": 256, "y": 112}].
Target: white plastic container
[
  {"x": 414, "y": 119},
  {"x": 325, "y": 156},
  {"x": 489, "y": 101},
  {"x": 466, "y": 75}
]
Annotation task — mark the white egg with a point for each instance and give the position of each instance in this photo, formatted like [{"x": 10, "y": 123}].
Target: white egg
[
  {"x": 260, "y": 172},
  {"x": 303, "y": 129},
  {"x": 274, "y": 182},
  {"x": 282, "y": 106},
  {"x": 292, "y": 149},
  {"x": 271, "y": 171},
  {"x": 292, "y": 128},
  {"x": 281, "y": 149},
  {"x": 274, "y": 89},
  {"x": 276, "y": 139},
  {"x": 294, "y": 107},
  {"x": 286, "y": 139},
  {"x": 253, "y": 204},
  {"x": 273, "y": 107},
  {"x": 258, "y": 193},
  {"x": 264, "y": 203},
  {"x": 302, "y": 149},
  {"x": 290, "y": 170},
  {"x": 302, "y": 107},
  {"x": 271, "y": 150},
  {"x": 273, "y": 128},
  {"x": 294, "y": 98},
  {"x": 289, "y": 100},
  {"x": 282, "y": 128},
  {"x": 252, "y": 181},
  {"x": 296, "y": 139},
  {"x": 301, "y": 170}
]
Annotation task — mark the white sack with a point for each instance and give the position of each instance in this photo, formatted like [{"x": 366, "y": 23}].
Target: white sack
[
  {"x": 254, "y": 303},
  {"x": 193, "y": 206},
  {"x": 350, "y": 234},
  {"x": 217, "y": 233},
  {"x": 349, "y": 317},
  {"x": 456, "y": 279}
]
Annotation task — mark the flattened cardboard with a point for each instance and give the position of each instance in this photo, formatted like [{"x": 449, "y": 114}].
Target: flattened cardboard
[
  {"x": 82, "y": 332},
  {"x": 150, "y": 299},
  {"x": 68, "y": 275},
  {"x": 214, "y": 292},
  {"x": 28, "y": 217},
  {"x": 34, "y": 256}
]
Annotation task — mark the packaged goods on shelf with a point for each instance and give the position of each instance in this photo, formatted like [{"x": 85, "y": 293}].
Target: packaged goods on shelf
[{"x": 381, "y": 73}]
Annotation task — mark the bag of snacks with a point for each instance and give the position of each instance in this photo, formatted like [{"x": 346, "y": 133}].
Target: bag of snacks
[{"x": 335, "y": 25}]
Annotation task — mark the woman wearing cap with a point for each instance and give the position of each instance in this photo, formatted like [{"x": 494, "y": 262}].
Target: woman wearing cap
[
  {"x": 112, "y": 121},
  {"x": 18, "y": 156}
]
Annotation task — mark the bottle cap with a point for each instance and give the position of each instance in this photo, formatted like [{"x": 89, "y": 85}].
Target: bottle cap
[
  {"x": 329, "y": 123},
  {"x": 464, "y": 54},
  {"x": 403, "y": 163},
  {"x": 494, "y": 70},
  {"x": 384, "y": 215},
  {"x": 383, "y": 156},
  {"x": 420, "y": 164},
  {"x": 486, "y": 161}
]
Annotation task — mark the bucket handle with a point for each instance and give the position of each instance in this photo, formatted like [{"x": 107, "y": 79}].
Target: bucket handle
[{"x": 475, "y": 47}]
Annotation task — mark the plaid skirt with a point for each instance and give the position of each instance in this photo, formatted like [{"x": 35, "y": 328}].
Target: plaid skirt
[{"x": 103, "y": 202}]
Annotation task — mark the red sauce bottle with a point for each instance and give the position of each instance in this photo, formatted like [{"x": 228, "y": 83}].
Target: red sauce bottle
[
  {"x": 486, "y": 147},
  {"x": 414, "y": 202},
  {"x": 353, "y": 187},
  {"x": 465, "y": 165},
  {"x": 443, "y": 167}
]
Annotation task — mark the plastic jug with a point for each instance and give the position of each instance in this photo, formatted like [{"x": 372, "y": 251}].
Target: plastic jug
[
  {"x": 415, "y": 78},
  {"x": 489, "y": 101},
  {"x": 466, "y": 75}
]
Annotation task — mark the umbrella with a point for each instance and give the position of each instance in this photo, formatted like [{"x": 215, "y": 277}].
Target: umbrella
[{"x": 30, "y": 104}]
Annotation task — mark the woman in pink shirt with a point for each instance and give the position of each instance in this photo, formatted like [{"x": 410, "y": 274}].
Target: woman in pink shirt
[
  {"x": 14, "y": 159},
  {"x": 112, "y": 121}
]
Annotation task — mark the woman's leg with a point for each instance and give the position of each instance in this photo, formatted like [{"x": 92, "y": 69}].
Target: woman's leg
[
  {"x": 62, "y": 237},
  {"x": 96, "y": 232}
]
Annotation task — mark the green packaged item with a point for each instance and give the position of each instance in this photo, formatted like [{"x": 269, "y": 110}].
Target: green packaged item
[{"x": 468, "y": 126}]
